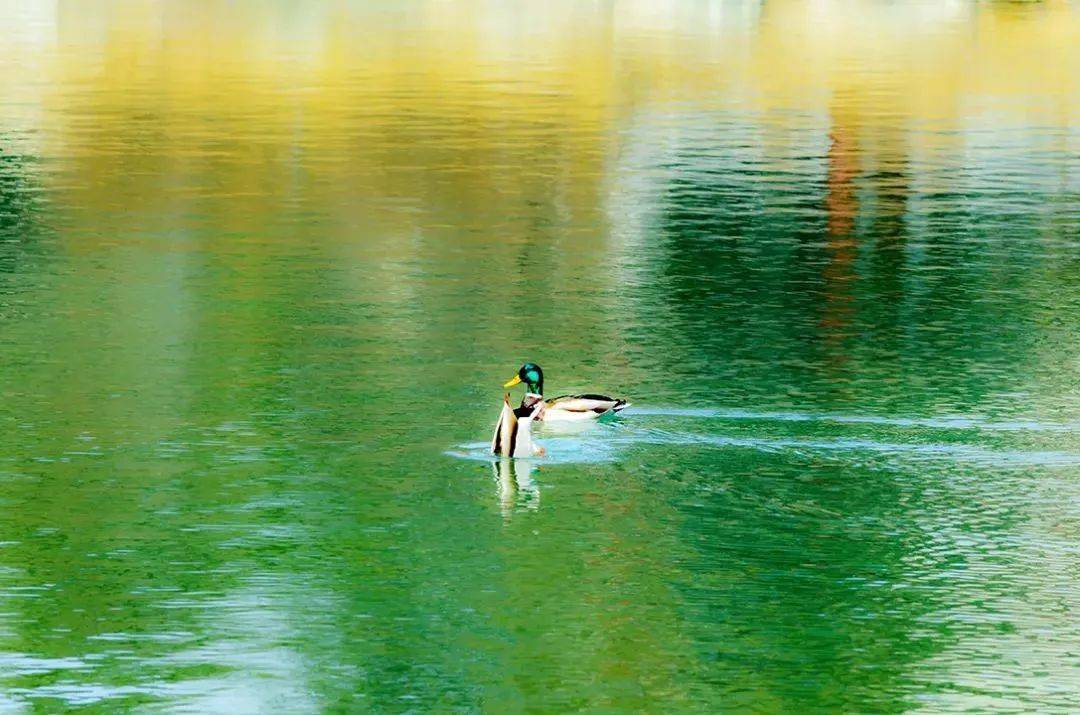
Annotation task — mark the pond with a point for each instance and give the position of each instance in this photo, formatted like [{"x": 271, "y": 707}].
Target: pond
[{"x": 264, "y": 268}]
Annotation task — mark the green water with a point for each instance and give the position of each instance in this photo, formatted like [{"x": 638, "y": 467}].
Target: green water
[{"x": 263, "y": 269}]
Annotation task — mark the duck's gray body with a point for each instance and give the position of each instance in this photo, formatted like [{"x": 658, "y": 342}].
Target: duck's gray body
[{"x": 574, "y": 408}]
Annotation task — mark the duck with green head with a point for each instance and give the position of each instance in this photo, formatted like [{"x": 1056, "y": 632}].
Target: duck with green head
[{"x": 564, "y": 408}]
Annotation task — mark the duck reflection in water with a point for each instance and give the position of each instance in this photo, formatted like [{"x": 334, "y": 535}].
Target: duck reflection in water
[{"x": 516, "y": 488}]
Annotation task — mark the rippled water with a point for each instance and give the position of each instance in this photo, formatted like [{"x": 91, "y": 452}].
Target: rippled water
[{"x": 264, "y": 266}]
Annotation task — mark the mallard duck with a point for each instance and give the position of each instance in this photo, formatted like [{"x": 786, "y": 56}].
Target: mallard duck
[
  {"x": 513, "y": 431},
  {"x": 564, "y": 408}
]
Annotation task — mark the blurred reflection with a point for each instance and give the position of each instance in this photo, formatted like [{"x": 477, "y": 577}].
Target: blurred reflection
[
  {"x": 841, "y": 209},
  {"x": 17, "y": 208},
  {"x": 515, "y": 486}
]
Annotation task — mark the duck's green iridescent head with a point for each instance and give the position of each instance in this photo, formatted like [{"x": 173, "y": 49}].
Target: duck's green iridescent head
[{"x": 532, "y": 376}]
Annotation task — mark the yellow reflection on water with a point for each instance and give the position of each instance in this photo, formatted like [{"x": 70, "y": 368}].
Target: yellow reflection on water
[
  {"x": 581, "y": 65},
  {"x": 247, "y": 126},
  {"x": 378, "y": 111}
]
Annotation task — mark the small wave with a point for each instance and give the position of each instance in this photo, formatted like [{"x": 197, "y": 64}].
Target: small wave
[
  {"x": 927, "y": 451},
  {"x": 558, "y": 451},
  {"x": 607, "y": 445},
  {"x": 949, "y": 422}
]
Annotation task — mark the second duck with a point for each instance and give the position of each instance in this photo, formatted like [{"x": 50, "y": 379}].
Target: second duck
[{"x": 564, "y": 408}]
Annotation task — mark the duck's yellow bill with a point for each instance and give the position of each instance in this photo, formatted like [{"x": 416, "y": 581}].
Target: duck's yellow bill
[{"x": 515, "y": 380}]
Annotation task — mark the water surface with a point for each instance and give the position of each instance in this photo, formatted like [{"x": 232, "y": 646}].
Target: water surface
[{"x": 264, "y": 266}]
